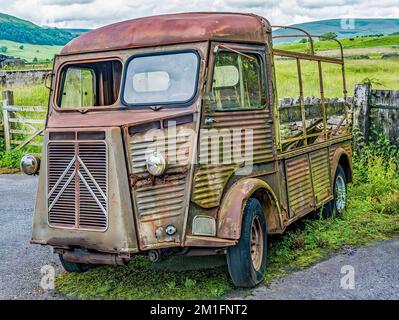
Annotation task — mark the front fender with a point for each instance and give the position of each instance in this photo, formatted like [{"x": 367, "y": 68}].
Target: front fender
[{"x": 233, "y": 204}]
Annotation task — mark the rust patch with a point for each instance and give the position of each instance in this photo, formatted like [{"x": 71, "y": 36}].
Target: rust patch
[
  {"x": 209, "y": 179},
  {"x": 171, "y": 29}
]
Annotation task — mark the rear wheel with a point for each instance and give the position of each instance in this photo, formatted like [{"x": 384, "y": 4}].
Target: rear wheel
[
  {"x": 337, "y": 206},
  {"x": 247, "y": 260},
  {"x": 74, "y": 267}
]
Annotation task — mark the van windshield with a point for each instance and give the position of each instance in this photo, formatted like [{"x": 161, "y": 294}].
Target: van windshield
[{"x": 160, "y": 79}]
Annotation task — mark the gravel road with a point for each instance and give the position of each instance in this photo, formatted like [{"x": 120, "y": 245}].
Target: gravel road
[
  {"x": 376, "y": 267},
  {"x": 21, "y": 262},
  {"x": 375, "y": 270}
]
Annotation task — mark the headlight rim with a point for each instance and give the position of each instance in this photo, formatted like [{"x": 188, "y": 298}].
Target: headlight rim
[
  {"x": 35, "y": 162},
  {"x": 163, "y": 163}
]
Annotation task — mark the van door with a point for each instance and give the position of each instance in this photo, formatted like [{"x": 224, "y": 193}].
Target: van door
[{"x": 237, "y": 125}]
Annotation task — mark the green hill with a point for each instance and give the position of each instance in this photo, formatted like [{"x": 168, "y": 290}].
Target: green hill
[
  {"x": 22, "y": 31},
  {"x": 29, "y": 52},
  {"x": 361, "y": 27}
]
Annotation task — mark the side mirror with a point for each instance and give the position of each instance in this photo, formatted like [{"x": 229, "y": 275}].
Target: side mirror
[{"x": 47, "y": 84}]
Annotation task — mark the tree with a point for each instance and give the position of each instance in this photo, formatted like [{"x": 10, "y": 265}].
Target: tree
[
  {"x": 328, "y": 36},
  {"x": 4, "y": 49},
  {"x": 21, "y": 47},
  {"x": 34, "y": 60},
  {"x": 304, "y": 40}
]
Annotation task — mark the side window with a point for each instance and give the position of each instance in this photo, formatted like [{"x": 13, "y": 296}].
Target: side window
[
  {"x": 79, "y": 88},
  {"x": 85, "y": 85},
  {"x": 238, "y": 81}
]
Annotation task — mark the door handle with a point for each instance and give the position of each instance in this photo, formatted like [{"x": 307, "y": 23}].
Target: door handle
[{"x": 209, "y": 120}]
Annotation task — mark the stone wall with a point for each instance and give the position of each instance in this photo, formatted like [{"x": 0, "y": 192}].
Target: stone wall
[
  {"x": 376, "y": 112},
  {"x": 290, "y": 115},
  {"x": 22, "y": 77}
]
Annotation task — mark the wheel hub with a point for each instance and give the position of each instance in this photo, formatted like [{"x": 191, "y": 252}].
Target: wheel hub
[
  {"x": 256, "y": 243},
  {"x": 340, "y": 192}
]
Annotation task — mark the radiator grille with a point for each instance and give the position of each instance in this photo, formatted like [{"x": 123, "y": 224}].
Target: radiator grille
[{"x": 77, "y": 185}]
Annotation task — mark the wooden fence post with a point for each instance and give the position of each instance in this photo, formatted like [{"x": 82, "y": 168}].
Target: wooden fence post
[
  {"x": 8, "y": 100},
  {"x": 361, "y": 114}
]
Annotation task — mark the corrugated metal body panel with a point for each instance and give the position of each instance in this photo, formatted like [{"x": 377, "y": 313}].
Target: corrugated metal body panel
[
  {"x": 320, "y": 175},
  {"x": 300, "y": 192},
  {"x": 210, "y": 177},
  {"x": 77, "y": 185},
  {"x": 174, "y": 148},
  {"x": 161, "y": 201}
]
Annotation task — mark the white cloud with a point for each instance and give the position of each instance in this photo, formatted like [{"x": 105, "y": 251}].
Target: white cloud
[{"x": 95, "y": 13}]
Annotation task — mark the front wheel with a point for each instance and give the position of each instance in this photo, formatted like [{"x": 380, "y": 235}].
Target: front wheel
[{"x": 247, "y": 260}]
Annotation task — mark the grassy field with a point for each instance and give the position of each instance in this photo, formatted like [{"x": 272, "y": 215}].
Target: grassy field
[
  {"x": 366, "y": 42},
  {"x": 30, "y": 51},
  {"x": 33, "y": 95},
  {"x": 372, "y": 214},
  {"x": 385, "y": 72}
]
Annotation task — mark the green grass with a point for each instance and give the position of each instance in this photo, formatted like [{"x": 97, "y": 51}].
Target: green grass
[
  {"x": 385, "y": 70},
  {"x": 34, "y": 95},
  {"x": 357, "y": 43},
  {"x": 372, "y": 214},
  {"x": 29, "y": 95},
  {"x": 30, "y": 51}
]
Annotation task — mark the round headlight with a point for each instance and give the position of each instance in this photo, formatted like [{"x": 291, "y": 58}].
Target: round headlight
[
  {"x": 30, "y": 164},
  {"x": 156, "y": 164}
]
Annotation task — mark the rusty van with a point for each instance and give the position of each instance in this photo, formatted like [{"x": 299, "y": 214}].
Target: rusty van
[{"x": 135, "y": 158}]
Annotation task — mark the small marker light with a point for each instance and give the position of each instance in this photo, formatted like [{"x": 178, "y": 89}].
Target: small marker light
[{"x": 170, "y": 230}]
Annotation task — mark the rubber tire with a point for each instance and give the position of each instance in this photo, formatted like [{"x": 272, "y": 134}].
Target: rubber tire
[
  {"x": 74, "y": 267},
  {"x": 239, "y": 260},
  {"x": 330, "y": 210}
]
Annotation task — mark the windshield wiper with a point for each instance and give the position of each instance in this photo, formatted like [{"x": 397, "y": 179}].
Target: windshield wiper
[{"x": 156, "y": 108}]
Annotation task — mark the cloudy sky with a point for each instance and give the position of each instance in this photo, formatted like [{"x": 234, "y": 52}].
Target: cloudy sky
[{"x": 95, "y": 13}]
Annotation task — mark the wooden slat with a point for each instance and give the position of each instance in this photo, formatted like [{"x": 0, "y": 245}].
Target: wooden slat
[
  {"x": 25, "y": 109},
  {"x": 29, "y": 126},
  {"x": 25, "y": 132},
  {"x": 32, "y": 143},
  {"x": 32, "y": 121},
  {"x": 7, "y": 99}
]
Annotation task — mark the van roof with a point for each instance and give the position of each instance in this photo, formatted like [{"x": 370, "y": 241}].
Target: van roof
[{"x": 171, "y": 29}]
